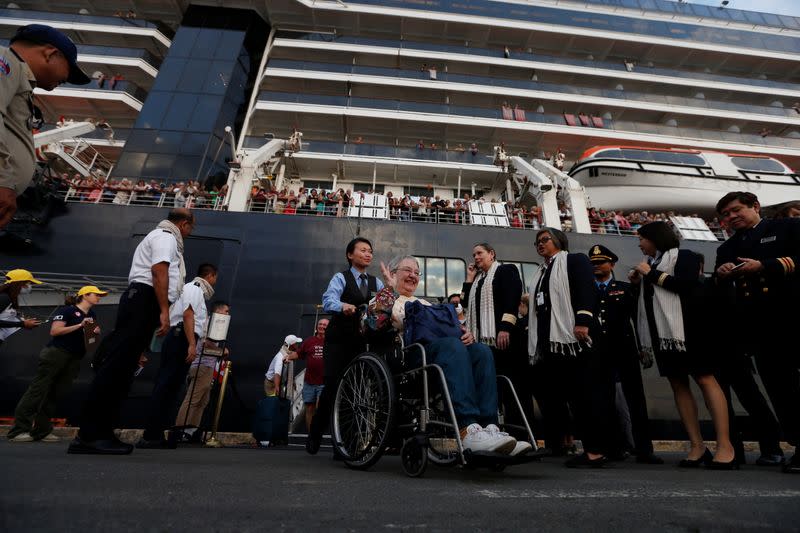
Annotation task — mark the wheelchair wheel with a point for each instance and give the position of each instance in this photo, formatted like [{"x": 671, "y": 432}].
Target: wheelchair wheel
[
  {"x": 363, "y": 411},
  {"x": 414, "y": 456}
]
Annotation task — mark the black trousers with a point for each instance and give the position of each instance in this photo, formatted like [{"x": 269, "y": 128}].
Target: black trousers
[
  {"x": 583, "y": 385},
  {"x": 736, "y": 374},
  {"x": 630, "y": 377},
  {"x": 779, "y": 372},
  {"x": 514, "y": 366},
  {"x": 116, "y": 360},
  {"x": 336, "y": 357},
  {"x": 169, "y": 383}
]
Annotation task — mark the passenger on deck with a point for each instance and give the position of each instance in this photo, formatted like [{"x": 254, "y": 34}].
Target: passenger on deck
[{"x": 468, "y": 365}]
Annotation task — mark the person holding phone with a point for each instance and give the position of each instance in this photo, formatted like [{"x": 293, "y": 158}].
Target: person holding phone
[
  {"x": 59, "y": 364},
  {"x": 671, "y": 326},
  {"x": 766, "y": 291}
]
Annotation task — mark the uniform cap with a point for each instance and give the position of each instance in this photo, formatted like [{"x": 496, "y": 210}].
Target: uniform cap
[
  {"x": 39, "y": 33},
  {"x": 20, "y": 274},
  {"x": 292, "y": 339},
  {"x": 600, "y": 254},
  {"x": 91, "y": 289}
]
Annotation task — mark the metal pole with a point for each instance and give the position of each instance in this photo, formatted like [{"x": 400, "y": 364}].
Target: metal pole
[{"x": 213, "y": 442}]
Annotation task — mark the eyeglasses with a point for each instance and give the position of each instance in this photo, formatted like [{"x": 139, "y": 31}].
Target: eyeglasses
[
  {"x": 543, "y": 240},
  {"x": 409, "y": 270}
]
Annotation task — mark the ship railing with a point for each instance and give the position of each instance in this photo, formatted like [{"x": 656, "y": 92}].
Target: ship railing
[{"x": 128, "y": 196}]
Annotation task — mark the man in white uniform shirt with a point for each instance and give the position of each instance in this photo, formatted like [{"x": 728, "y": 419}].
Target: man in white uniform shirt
[
  {"x": 188, "y": 320},
  {"x": 156, "y": 278},
  {"x": 288, "y": 352}
]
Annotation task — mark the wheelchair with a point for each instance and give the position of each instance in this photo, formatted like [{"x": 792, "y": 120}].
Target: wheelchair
[{"x": 385, "y": 401}]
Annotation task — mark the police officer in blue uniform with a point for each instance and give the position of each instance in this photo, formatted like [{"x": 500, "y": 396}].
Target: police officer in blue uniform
[
  {"x": 760, "y": 262},
  {"x": 615, "y": 341}
]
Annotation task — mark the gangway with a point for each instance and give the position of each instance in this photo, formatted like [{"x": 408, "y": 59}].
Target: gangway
[
  {"x": 64, "y": 143},
  {"x": 245, "y": 169},
  {"x": 546, "y": 184}
]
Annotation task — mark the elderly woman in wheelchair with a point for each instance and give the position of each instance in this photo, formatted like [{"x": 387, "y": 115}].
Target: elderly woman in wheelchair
[{"x": 435, "y": 345}]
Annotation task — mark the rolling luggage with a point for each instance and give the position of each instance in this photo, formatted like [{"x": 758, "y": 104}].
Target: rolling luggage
[{"x": 271, "y": 421}]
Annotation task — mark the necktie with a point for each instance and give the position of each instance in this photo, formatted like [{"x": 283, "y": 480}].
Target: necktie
[{"x": 363, "y": 285}]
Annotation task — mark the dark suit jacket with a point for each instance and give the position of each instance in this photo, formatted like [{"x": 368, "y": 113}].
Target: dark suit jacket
[
  {"x": 612, "y": 327},
  {"x": 507, "y": 290}
]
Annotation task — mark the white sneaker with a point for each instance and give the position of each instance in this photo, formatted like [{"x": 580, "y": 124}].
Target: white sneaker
[
  {"x": 478, "y": 439},
  {"x": 22, "y": 437},
  {"x": 522, "y": 447},
  {"x": 50, "y": 438}
]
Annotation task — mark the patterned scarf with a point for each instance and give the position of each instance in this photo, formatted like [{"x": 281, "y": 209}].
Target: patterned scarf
[
  {"x": 562, "y": 317},
  {"x": 166, "y": 225},
  {"x": 487, "y": 333},
  {"x": 667, "y": 311}
]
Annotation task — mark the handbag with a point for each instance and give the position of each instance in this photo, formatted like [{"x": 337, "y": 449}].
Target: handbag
[{"x": 426, "y": 323}]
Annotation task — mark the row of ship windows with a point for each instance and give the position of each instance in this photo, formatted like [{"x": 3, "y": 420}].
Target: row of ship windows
[
  {"x": 752, "y": 164},
  {"x": 595, "y": 21},
  {"x": 443, "y": 276}
]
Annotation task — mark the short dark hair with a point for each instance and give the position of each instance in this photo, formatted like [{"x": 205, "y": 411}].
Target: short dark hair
[
  {"x": 661, "y": 235},
  {"x": 351, "y": 247},
  {"x": 747, "y": 198},
  {"x": 205, "y": 269},
  {"x": 179, "y": 215},
  {"x": 454, "y": 295},
  {"x": 218, "y": 304},
  {"x": 559, "y": 237}
]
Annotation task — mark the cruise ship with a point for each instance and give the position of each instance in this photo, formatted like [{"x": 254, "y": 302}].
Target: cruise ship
[{"x": 496, "y": 100}]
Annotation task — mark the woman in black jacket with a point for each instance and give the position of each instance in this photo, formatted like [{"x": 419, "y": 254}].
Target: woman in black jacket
[
  {"x": 670, "y": 327},
  {"x": 491, "y": 296}
]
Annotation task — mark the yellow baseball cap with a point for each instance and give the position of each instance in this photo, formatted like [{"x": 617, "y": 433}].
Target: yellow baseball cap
[
  {"x": 20, "y": 274},
  {"x": 91, "y": 289}
]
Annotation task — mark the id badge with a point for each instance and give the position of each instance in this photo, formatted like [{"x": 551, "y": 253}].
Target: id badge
[{"x": 539, "y": 299}]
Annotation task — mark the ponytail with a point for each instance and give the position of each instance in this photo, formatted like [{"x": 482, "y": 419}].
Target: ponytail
[{"x": 72, "y": 299}]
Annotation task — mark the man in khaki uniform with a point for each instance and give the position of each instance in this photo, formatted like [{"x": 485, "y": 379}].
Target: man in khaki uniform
[{"x": 38, "y": 56}]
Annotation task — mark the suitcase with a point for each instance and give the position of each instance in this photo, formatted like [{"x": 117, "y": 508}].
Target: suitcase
[{"x": 271, "y": 420}]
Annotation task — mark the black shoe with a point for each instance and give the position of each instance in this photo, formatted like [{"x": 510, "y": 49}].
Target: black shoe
[
  {"x": 583, "y": 461},
  {"x": 771, "y": 460},
  {"x": 313, "y": 442},
  {"x": 162, "y": 444},
  {"x": 733, "y": 464},
  {"x": 99, "y": 447},
  {"x": 793, "y": 465},
  {"x": 619, "y": 456},
  {"x": 695, "y": 463},
  {"x": 649, "y": 459}
]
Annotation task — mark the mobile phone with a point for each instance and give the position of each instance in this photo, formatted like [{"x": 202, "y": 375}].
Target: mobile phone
[{"x": 740, "y": 265}]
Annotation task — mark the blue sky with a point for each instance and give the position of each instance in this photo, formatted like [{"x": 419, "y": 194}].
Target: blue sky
[{"x": 782, "y": 7}]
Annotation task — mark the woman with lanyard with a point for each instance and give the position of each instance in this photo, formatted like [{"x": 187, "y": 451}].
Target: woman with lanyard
[
  {"x": 562, "y": 296},
  {"x": 669, "y": 326},
  {"x": 491, "y": 295},
  {"x": 59, "y": 364},
  {"x": 346, "y": 292},
  {"x": 18, "y": 282}
]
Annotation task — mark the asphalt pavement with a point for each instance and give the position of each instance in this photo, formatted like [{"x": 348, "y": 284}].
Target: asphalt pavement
[{"x": 196, "y": 489}]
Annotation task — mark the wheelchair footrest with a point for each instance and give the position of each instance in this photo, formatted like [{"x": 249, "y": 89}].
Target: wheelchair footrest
[{"x": 490, "y": 459}]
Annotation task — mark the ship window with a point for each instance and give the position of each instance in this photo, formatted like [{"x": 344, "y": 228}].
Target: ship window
[
  {"x": 636, "y": 155},
  {"x": 612, "y": 153},
  {"x": 526, "y": 271},
  {"x": 678, "y": 158},
  {"x": 440, "y": 277},
  {"x": 758, "y": 164},
  {"x": 692, "y": 159}
]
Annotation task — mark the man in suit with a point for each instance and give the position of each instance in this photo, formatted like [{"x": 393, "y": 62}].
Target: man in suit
[
  {"x": 615, "y": 341},
  {"x": 760, "y": 261}
]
